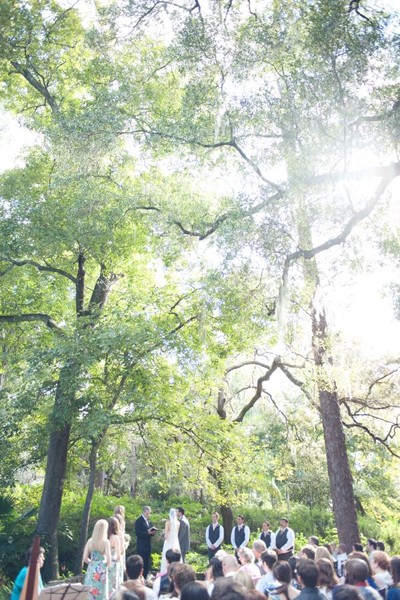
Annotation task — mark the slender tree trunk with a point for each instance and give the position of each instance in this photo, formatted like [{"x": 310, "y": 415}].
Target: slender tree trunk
[
  {"x": 340, "y": 479},
  {"x": 84, "y": 528}
]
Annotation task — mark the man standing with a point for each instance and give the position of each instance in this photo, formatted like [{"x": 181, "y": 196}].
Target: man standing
[
  {"x": 240, "y": 534},
  {"x": 144, "y": 532},
  {"x": 267, "y": 536},
  {"x": 184, "y": 532},
  {"x": 214, "y": 536},
  {"x": 284, "y": 542}
]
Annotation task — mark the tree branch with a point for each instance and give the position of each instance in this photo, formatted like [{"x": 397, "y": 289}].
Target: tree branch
[
  {"x": 30, "y": 317},
  {"x": 46, "y": 267},
  {"x": 259, "y": 390},
  {"x": 35, "y": 83}
]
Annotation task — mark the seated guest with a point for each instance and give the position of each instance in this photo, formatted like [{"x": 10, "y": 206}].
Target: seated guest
[
  {"x": 246, "y": 559},
  {"x": 307, "y": 577},
  {"x": 194, "y": 591},
  {"x": 347, "y": 592},
  {"x": 213, "y": 572},
  {"x": 313, "y": 540},
  {"x": 257, "y": 549},
  {"x": 267, "y": 581},
  {"x": 284, "y": 589},
  {"x": 327, "y": 578},
  {"x": 380, "y": 545},
  {"x": 393, "y": 592},
  {"x": 245, "y": 580},
  {"x": 229, "y": 589},
  {"x": 380, "y": 564},
  {"x": 161, "y": 582},
  {"x": 357, "y": 547},
  {"x": 307, "y": 552},
  {"x": 356, "y": 574},
  {"x": 135, "y": 583},
  {"x": 364, "y": 557},
  {"x": 171, "y": 592},
  {"x": 322, "y": 552},
  {"x": 182, "y": 575},
  {"x": 229, "y": 565}
]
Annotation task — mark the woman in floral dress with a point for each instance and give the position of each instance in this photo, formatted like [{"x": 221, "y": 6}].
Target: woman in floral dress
[{"x": 97, "y": 555}]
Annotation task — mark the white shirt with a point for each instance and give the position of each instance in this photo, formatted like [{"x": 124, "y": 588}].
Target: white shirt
[
  {"x": 273, "y": 540},
  {"x": 246, "y": 536},
  {"x": 220, "y": 538},
  {"x": 290, "y": 539}
]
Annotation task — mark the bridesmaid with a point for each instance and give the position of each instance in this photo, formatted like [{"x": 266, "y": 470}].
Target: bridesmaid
[
  {"x": 119, "y": 513},
  {"x": 115, "y": 571},
  {"x": 97, "y": 555}
]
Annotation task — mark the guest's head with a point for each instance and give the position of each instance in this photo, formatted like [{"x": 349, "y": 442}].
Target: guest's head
[
  {"x": 228, "y": 589},
  {"x": 229, "y": 564},
  {"x": 282, "y": 571},
  {"x": 348, "y": 592},
  {"x": 123, "y": 594},
  {"x": 268, "y": 559},
  {"x": 307, "y": 572},
  {"x": 313, "y": 540},
  {"x": 134, "y": 566},
  {"x": 380, "y": 545},
  {"x": 215, "y": 568},
  {"x": 244, "y": 579},
  {"x": 182, "y": 575},
  {"x": 371, "y": 545},
  {"x": 356, "y": 571},
  {"x": 40, "y": 559},
  {"x": 307, "y": 552},
  {"x": 342, "y": 549},
  {"x": 326, "y": 573},
  {"x": 258, "y": 548},
  {"x": 322, "y": 552},
  {"x": 245, "y": 556},
  {"x": 172, "y": 555},
  {"x": 194, "y": 591},
  {"x": 395, "y": 569},
  {"x": 379, "y": 561},
  {"x": 364, "y": 557},
  {"x": 99, "y": 535},
  {"x": 357, "y": 547}
]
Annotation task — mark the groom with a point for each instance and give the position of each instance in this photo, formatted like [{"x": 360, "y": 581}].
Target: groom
[
  {"x": 184, "y": 532},
  {"x": 144, "y": 532}
]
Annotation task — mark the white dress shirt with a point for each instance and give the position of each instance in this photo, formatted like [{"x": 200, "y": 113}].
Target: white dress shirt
[
  {"x": 220, "y": 538},
  {"x": 246, "y": 536}
]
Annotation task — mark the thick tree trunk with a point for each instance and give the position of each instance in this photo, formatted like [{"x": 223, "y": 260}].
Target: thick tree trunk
[
  {"x": 227, "y": 521},
  {"x": 50, "y": 505},
  {"x": 340, "y": 479},
  {"x": 86, "y": 509}
]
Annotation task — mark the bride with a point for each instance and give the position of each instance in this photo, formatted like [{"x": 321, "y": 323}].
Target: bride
[{"x": 170, "y": 537}]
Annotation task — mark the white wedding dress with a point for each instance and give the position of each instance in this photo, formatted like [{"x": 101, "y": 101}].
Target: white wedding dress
[{"x": 171, "y": 538}]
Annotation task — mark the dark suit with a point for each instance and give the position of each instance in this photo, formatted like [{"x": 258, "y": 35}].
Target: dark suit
[
  {"x": 143, "y": 545},
  {"x": 184, "y": 536}
]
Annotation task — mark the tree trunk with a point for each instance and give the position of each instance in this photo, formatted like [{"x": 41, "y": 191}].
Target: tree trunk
[
  {"x": 50, "y": 504},
  {"x": 340, "y": 479},
  {"x": 227, "y": 521},
  {"x": 86, "y": 509}
]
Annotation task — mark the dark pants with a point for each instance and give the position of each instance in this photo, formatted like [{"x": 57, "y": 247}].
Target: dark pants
[
  {"x": 212, "y": 553},
  {"x": 146, "y": 561}
]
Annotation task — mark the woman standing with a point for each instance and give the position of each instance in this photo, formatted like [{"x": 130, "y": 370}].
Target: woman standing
[
  {"x": 119, "y": 513},
  {"x": 97, "y": 555},
  {"x": 171, "y": 539},
  {"x": 115, "y": 571}
]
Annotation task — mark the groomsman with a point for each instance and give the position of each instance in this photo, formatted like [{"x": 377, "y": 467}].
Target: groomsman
[
  {"x": 284, "y": 541},
  {"x": 240, "y": 534},
  {"x": 214, "y": 536},
  {"x": 267, "y": 536}
]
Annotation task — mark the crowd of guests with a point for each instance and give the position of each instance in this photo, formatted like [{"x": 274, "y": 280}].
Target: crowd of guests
[{"x": 267, "y": 568}]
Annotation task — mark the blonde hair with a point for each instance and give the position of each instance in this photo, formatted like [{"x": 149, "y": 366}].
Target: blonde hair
[
  {"x": 99, "y": 536},
  {"x": 246, "y": 554},
  {"x": 322, "y": 552},
  {"x": 120, "y": 510}
]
